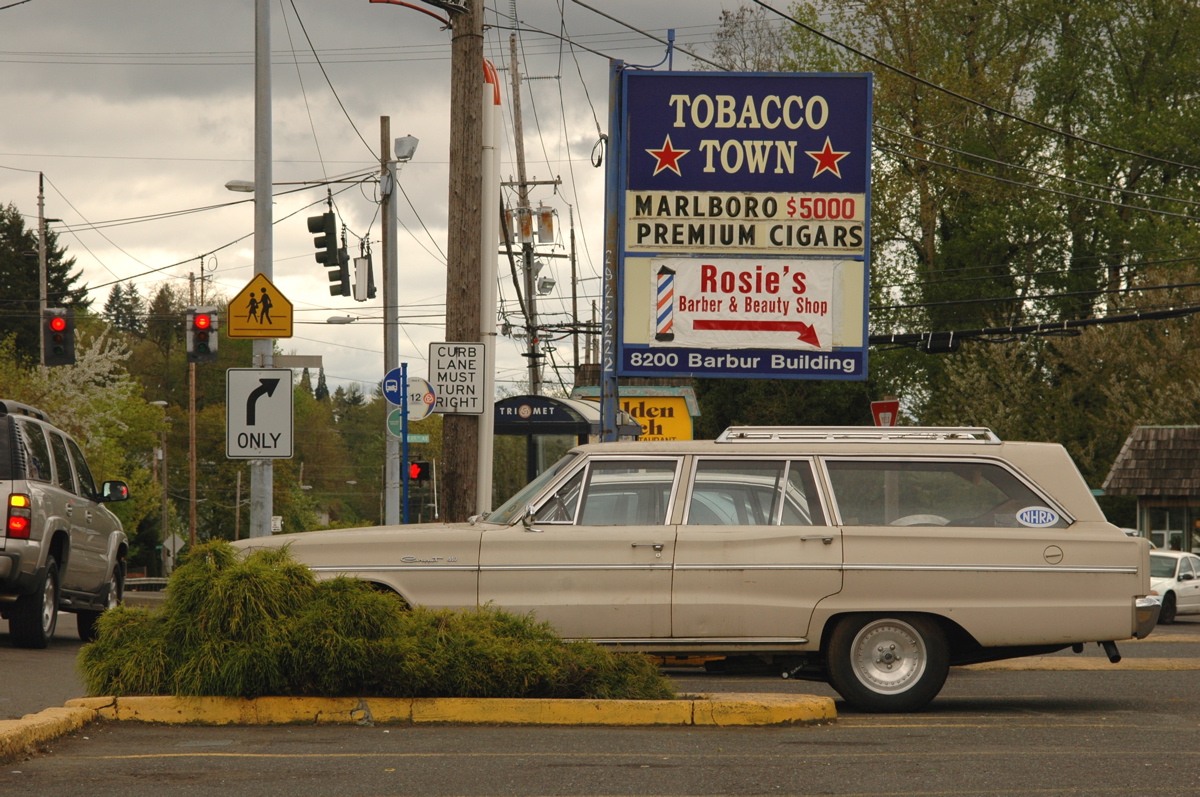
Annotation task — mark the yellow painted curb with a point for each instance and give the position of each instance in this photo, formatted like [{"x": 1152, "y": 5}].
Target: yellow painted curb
[
  {"x": 725, "y": 709},
  {"x": 24, "y": 736},
  {"x": 745, "y": 709}
]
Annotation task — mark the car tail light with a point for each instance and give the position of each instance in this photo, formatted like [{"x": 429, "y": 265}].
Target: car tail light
[{"x": 18, "y": 516}]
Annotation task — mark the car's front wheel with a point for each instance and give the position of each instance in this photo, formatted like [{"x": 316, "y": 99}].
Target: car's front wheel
[
  {"x": 33, "y": 618},
  {"x": 85, "y": 621},
  {"x": 882, "y": 663},
  {"x": 1167, "y": 615}
]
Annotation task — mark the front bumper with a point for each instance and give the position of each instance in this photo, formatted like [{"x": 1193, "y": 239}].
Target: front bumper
[{"x": 1146, "y": 612}]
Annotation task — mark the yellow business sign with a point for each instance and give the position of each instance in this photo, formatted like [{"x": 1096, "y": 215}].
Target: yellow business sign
[
  {"x": 259, "y": 311},
  {"x": 661, "y": 417}
]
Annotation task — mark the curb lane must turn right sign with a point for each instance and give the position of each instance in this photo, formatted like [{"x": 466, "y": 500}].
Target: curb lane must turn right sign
[{"x": 258, "y": 413}]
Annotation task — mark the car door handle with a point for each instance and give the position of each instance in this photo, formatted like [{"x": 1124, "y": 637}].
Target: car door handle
[
  {"x": 825, "y": 540},
  {"x": 70, "y": 509},
  {"x": 658, "y": 546}
]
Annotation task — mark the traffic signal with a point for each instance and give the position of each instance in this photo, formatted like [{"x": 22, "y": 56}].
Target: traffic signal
[
  {"x": 202, "y": 336},
  {"x": 328, "y": 253},
  {"x": 58, "y": 336},
  {"x": 420, "y": 471}
]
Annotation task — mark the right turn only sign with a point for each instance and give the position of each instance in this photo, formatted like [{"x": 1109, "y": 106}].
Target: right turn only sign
[{"x": 258, "y": 413}]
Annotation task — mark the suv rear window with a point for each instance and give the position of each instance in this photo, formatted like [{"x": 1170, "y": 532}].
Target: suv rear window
[
  {"x": 37, "y": 453},
  {"x": 932, "y": 493},
  {"x": 62, "y": 463}
]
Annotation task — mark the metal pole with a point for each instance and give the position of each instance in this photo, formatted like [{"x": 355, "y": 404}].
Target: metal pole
[
  {"x": 490, "y": 204},
  {"x": 404, "y": 433},
  {"x": 262, "y": 473},
  {"x": 166, "y": 530},
  {"x": 391, "y": 320}
]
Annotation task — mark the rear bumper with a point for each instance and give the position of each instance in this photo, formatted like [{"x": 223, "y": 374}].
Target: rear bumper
[{"x": 1146, "y": 612}]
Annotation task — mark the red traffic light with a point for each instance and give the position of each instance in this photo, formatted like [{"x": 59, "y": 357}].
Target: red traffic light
[
  {"x": 202, "y": 321},
  {"x": 415, "y": 469},
  {"x": 58, "y": 323}
]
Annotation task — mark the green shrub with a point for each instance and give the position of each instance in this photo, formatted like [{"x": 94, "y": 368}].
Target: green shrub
[{"x": 262, "y": 625}]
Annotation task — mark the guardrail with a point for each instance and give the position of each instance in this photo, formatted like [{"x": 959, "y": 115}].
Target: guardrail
[{"x": 145, "y": 584}]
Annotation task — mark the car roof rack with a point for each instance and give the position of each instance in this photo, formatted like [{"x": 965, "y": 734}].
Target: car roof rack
[
  {"x": 852, "y": 434},
  {"x": 10, "y": 407}
]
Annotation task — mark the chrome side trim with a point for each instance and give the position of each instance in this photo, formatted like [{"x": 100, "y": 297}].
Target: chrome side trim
[
  {"x": 390, "y": 568},
  {"x": 561, "y": 567},
  {"x": 1098, "y": 569},
  {"x": 757, "y": 567},
  {"x": 710, "y": 641}
]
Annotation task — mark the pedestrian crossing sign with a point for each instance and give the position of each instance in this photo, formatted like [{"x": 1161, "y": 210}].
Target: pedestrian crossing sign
[{"x": 259, "y": 311}]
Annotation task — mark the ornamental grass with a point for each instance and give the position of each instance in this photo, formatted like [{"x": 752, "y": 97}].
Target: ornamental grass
[{"x": 261, "y": 624}]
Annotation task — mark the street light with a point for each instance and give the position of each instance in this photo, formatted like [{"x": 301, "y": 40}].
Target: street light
[{"x": 404, "y": 149}]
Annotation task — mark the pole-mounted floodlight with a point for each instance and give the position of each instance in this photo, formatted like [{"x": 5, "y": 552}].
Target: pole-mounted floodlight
[{"x": 406, "y": 147}]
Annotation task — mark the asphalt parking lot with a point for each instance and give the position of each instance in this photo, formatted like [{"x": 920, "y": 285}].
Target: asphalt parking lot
[{"x": 1094, "y": 729}]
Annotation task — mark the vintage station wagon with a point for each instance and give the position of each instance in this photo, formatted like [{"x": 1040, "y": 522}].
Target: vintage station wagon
[{"x": 873, "y": 559}]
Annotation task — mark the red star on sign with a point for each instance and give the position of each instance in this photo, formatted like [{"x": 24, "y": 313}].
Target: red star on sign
[
  {"x": 827, "y": 159},
  {"x": 668, "y": 157}
]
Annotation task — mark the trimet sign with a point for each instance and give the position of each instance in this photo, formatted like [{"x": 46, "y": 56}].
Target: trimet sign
[{"x": 745, "y": 223}]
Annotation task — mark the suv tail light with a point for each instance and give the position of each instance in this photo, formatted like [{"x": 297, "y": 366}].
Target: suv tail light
[{"x": 18, "y": 516}]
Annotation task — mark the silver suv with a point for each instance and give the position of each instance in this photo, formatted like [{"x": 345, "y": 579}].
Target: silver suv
[{"x": 61, "y": 547}]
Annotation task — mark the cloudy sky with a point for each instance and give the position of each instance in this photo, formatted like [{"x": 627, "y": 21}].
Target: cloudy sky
[{"x": 138, "y": 112}]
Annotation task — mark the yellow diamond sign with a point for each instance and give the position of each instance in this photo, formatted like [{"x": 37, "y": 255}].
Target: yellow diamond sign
[{"x": 259, "y": 311}]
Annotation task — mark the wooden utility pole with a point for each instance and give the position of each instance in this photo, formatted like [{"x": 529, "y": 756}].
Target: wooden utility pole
[
  {"x": 192, "y": 430},
  {"x": 460, "y": 433}
]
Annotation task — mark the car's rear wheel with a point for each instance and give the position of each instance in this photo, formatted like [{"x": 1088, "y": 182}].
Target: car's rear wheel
[
  {"x": 881, "y": 663},
  {"x": 33, "y": 618},
  {"x": 1167, "y": 615},
  {"x": 85, "y": 620}
]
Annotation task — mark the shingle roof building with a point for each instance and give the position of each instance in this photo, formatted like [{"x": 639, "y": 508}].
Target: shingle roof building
[{"x": 1157, "y": 461}]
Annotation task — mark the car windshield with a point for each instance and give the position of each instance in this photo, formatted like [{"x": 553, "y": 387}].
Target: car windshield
[
  {"x": 513, "y": 507},
  {"x": 1162, "y": 566}
]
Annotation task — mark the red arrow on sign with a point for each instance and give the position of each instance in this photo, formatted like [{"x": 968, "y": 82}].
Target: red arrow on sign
[{"x": 803, "y": 331}]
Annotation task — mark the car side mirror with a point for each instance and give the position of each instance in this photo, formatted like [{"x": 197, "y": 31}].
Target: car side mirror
[
  {"x": 113, "y": 491},
  {"x": 1187, "y": 577},
  {"x": 527, "y": 520}
]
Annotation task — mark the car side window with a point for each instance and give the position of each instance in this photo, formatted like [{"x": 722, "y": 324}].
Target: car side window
[
  {"x": 1187, "y": 566},
  {"x": 37, "y": 453},
  {"x": 87, "y": 484},
  {"x": 560, "y": 507},
  {"x": 801, "y": 504},
  {"x": 932, "y": 493},
  {"x": 62, "y": 463},
  {"x": 735, "y": 492},
  {"x": 627, "y": 492},
  {"x": 754, "y": 492}
]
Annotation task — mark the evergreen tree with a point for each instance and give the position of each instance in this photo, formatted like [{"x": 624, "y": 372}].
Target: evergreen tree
[
  {"x": 322, "y": 391},
  {"x": 125, "y": 309},
  {"x": 19, "y": 314}
]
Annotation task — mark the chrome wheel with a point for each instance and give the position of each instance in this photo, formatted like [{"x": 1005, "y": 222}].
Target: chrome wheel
[
  {"x": 888, "y": 656},
  {"x": 50, "y": 604},
  {"x": 882, "y": 663}
]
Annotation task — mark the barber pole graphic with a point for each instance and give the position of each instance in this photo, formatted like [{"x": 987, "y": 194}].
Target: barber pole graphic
[{"x": 665, "y": 313}]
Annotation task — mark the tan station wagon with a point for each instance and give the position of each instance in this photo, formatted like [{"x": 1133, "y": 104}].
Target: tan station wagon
[{"x": 873, "y": 559}]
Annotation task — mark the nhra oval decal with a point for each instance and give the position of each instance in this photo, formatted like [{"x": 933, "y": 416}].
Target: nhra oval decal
[{"x": 1037, "y": 517}]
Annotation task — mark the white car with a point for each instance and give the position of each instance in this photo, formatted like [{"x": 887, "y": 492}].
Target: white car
[{"x": 1175, "y": 578}]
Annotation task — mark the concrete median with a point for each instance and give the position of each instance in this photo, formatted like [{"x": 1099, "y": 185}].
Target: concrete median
[{"x": 30, "y": 733}]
